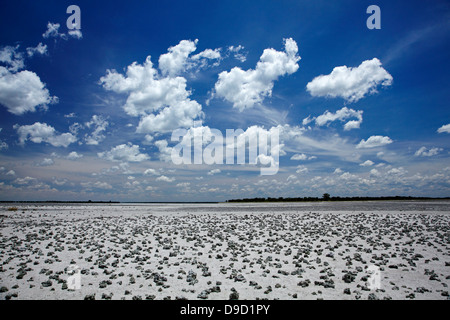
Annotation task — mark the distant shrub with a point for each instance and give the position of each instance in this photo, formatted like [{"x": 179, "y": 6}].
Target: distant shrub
[{"x": 12, "y": 209}]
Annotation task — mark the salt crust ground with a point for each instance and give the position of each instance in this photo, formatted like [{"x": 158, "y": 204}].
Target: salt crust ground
[{"x": 263, "y": 251}]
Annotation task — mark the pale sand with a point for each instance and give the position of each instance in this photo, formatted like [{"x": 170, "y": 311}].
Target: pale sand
[{"x": 263, "y": 251}]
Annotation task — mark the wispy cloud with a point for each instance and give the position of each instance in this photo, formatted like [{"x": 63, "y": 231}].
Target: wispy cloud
[{"x": 409, "y": 41}]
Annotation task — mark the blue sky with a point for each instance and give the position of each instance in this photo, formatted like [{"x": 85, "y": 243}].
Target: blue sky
[{"x": 89, "y": 114}]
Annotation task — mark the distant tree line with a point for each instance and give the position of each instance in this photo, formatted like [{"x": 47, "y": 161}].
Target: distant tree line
[{"x": 327, "y": 197}]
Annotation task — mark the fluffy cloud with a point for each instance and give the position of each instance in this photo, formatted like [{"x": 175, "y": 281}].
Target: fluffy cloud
[
  {"x": 9, "y": 173},
  {"x": 183, "y": 184},
  {"x": 367, "y": 163},
  {"x": 374, "y": 173},
  {"x": 165, "y": 179},
  {"x": 237, "y": 52},
  {"x": 301, "y": 169},
  {"x": 352, "y": 84},
  {"x": 12, "y": 58},
  {"x": 123, "y": 167},
  {"x": 23, "y": 91},
  {"x": 423, "y": 152},
  {"x": 70, "y": 115},
  {"x": 148, "y": 139},
  {"x": 25, "y": 181},
  {"x": 178, "y": 59},
  {"x": 124, "y": 153},
  {"x": 3, "y": 145},
  {"x": 53, "y": 32},
  {"x": 291, "y": 178},
  {"x": 175, "y": 61},
  {"x": 74, "y": 156},
  {"x": 244, "y": 89},
  {"x": 32, "y": 184},
  {"x": 302, "y": 156},
  {"x": 352, "y": 124},
  {"x": 150, "y": 93},
  {"x": 42, "y": 132},
  {"x": 299, "y": 157},
  {"x": 214, "y": 171},
  {"x": 374, "y": 141},
  {"x": 99, "y": 125},
  {"x": 400, "y": 171},
  {"x": 444, "y": 128},
  {"x": 46, "y": 162},
  {"x": 341, "y": 115},
  {"x": 76, "y": 34},
  {"x": 202, "y": 59},
  {"x": 179, "y": 115},
  {"x": 150, "y": 172},
  {"x": 263, "y": 145},
  {"x": 40, "y": 48},
  {"x": 165, "y": 152},
  {"x": 261, "y": 137}
]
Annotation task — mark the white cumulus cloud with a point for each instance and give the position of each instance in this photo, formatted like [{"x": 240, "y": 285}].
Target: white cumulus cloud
[
  {"x": 163, "y": 103},
  {"x": 46, "y": 162},
  {"x": 444, "y": 128},
  {"x": 374, "y": 141},
  {"x": 150, "y": 172},
  {"x": 165, "y": 152},
  {"x": 99, "y": 125},
  {"x": 124, "y": 153},
  {"x": 352, "y": 124},
  {"x": 244, "y": 89},
  {"x": 301, "y": 169},
  {"x": 42, "y": 132},
  {"x": 3, "y": 145},
  {"x": 367, "y": 163},
  {"x": 165, "y": 179},
  {"x": 74, "y": 156},
  {"x": 175, "y": 61},
  {"x": 23, "y": 91},
  {"x": 341, "y": 115},
  {"x": 352, "y": 84},
  {"x": 302, "y": 156}
]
